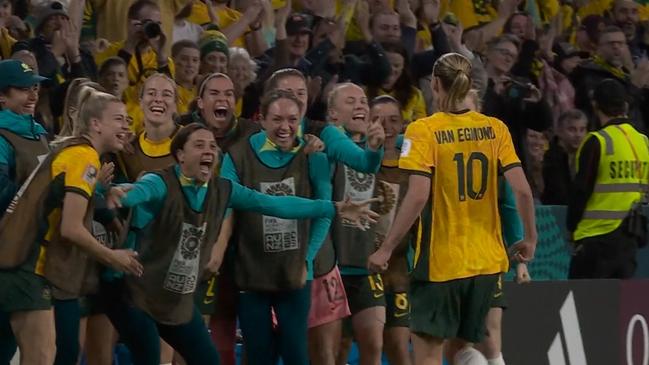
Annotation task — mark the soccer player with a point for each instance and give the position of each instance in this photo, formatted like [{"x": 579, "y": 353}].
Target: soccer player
[{"x": 453, "y": 158}]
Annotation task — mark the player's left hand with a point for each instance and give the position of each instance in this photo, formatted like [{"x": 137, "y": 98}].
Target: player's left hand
[
  {"x": 523, "y": 251},
  {"x": 522, "y": 274}
]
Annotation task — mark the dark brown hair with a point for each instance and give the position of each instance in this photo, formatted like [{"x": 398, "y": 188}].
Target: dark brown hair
[
  {"x": 274, "y": 95},
  {"x": 181, "y": 138}
]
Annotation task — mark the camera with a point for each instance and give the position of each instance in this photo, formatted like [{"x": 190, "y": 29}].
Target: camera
[{"x": 151, "y": 29}]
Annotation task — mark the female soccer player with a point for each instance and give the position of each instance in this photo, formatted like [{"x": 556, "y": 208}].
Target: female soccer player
[
  {"x": 274, "y": 257},
  {"x": 392, "y": 185},
  {"x": 49, "y": 244},
  {"x": 453, "y": 158},
  {"x": 182, "y": 208}
]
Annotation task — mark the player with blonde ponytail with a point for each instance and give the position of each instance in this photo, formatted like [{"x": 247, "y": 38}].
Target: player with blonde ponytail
[{"x": 453, "y": 158}]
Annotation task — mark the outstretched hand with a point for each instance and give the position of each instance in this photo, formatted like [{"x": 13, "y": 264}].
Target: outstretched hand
[
  {"x": 357, "y": 212},
  {"x": 115, "y": 196}
]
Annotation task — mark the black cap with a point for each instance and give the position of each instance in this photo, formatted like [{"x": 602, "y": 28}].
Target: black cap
[
  {"x": 298, "y": 23},
  {"x": 611, "y": 97}
]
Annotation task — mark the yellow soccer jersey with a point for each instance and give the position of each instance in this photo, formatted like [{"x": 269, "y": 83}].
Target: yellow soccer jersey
[
  {"x": 74, "y": 170},
  {"x": 459, "y": 233},
  {"x": 185, "y": 98},
  {"x": 227, "y": 16}
]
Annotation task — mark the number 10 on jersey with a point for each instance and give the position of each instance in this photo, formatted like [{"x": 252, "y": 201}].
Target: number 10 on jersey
[{"x": 465, "y": 178}]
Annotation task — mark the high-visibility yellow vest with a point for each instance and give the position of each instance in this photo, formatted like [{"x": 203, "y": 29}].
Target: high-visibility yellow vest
[{"x": 622, "y": 177}]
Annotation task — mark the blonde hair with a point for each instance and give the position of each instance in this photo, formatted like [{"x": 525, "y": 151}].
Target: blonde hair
[
  {"x": 77, "y": 91},
  {"x": 333, "y": 94},
  {"x": 162, "y": 76},
  {"x": 92, "y": 107},
  {"x": 454, "y": 73}
]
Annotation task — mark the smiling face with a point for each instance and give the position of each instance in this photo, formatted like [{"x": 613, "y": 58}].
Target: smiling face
[
  {"x": 216, "y": 103},
  {"x": 20, "y": 100},
  {"x": 214, "y": 61},
  {"x": 518, "y": 25},
  {"x": 502, "y": 56},
  {"x": 572, "y": 133},
  {"x": 350, "y": 109},
  {"x": 112, "y": 127},
  {"x": 187, "y": 63},
  {"x": 198, "y": 157},
  {"x": 158, "y": 101},
  {"x": 298, "y": 44},
  {"x": 386, "y": 27},
  {"x": 396, "y": 64},
  {"x": 389, "y": 116},
  {"x": 241, "y": 72},
  {"x": 297, "y": 86},
  {"x": 536, "y": 143},
  {"x": 625, "y": 14},
  {"x": 281, "y": 123}
]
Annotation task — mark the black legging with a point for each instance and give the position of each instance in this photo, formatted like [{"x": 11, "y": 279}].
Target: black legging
[{"x": 141, "y": 334}]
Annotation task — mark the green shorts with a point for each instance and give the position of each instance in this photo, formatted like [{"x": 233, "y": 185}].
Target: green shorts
[
  {"x": 364, "y": 291},
  {"x": 499, "y": 300},
  {"x": 397, "y": 310},
  {"x": 22, "y": 290},
  {"x": 452, "y": 309},
  {"x": 205, "y": 295}
]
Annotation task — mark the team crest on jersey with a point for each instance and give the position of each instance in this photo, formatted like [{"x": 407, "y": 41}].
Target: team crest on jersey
[
  {"x": 405, "y": 147},
  {"x": 359, "y": 180},
  {"x": 191, "y": 242},
  {"x": 90, "y": 174},
  {"x": 279, "y": 189},
  {"x": 182, "y": 275}
]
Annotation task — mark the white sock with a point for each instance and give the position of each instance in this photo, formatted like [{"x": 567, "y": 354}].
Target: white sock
[
  {"x": 470, "y": 356},
  {"x": 497, "y": 360}
]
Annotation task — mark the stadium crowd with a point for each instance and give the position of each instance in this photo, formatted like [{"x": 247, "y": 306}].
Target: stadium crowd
[{"x": 278, "y": 149}]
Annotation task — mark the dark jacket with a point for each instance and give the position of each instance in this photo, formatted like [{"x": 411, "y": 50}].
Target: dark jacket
[
  {"x": 585, "y": 77},
  {"x": 557, "y": 177},
  {"x": 518, "y": 114}
]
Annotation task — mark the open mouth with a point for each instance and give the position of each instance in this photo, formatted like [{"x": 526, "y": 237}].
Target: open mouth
[
  {"x": 359, "y": 117},
  {"x": 206, "y": 165},
  {"x": 221, "y": 112},
  {"x": 157, "y": 110}
]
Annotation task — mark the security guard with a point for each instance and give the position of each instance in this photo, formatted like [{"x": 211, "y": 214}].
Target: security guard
[{"x": 612, "y": 175}]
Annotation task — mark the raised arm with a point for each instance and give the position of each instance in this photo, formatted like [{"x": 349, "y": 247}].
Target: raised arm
[{"x": 341, "y": 148}]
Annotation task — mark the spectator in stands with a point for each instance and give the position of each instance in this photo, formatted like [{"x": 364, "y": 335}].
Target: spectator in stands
[
  {"x": 214, "y": 52},
  {"x": 558, "y": 89},
  {"x": 624, "y": 14},
  {"x": 372, "y": 68},
  {"x": 559, "y": 163},
  {"x": 240, "y": 29},
  {"x": 516, "y": 102},
  {"x": 112, "y": 76},
  {"x": 183, "y": 28},
  {"x": 243, "y": 71},
  {"x": 144, "y": 49},
  {"x": 56, "y": 46},
  {"x": 611, "y": 178},
  {"x": 609, "y": 62},
  {"x": 588, "y": 33},
  {"x": 399, "y": 84},
  {"x": 187, "y": 58}
]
